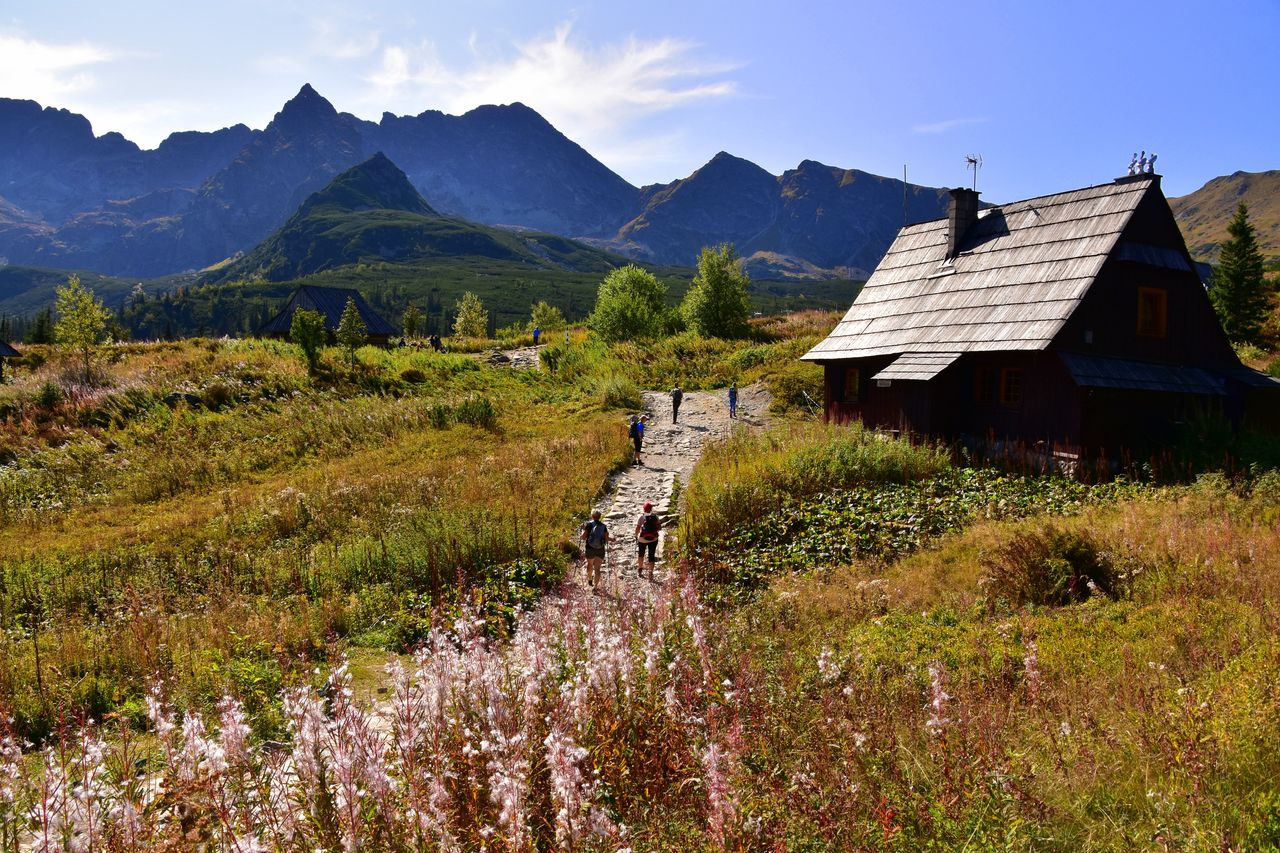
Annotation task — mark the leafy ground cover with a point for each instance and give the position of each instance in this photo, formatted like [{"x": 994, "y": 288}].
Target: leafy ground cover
[{"x": 883, "y": 522}]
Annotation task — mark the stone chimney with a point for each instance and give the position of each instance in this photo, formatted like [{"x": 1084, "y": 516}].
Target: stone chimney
[{"x": 962, "y": 211}]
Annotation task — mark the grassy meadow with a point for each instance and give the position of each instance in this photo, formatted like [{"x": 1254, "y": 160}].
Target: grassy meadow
[{"x": 867, "y": 645}]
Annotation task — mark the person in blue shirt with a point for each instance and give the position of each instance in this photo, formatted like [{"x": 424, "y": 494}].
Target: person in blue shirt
[
  {"x": 637, "y": 438},
  {"x": 733, "y": 400},
  {"x": 537, "y": 333}
]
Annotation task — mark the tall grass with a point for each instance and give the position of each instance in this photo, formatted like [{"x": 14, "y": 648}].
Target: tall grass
[{"x": 752, "y": 473}]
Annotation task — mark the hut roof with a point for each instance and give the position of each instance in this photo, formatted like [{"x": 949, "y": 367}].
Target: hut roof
[
  {"x": 6, "y": 351},
  {"x": 1020, "y": 271},
  {"x": 331, "y": 302}
]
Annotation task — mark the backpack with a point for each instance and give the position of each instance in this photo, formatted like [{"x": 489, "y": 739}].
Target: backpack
[
  {"x": 634, "y": 430},
  {"x": 596, "y": 531},
  {"x": 649, "y": 526}
]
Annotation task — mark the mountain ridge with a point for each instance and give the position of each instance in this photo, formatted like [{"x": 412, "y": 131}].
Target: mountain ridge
[
  {"x": 371, "y": 213},
  {"x": 1203, "y": 215},
  {"x": 80, "y": 201}
]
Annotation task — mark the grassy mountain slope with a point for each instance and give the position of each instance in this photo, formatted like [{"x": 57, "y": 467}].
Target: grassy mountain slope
[
  {"x": 1203, "y": 215},
  {"x": 371, "y": 213}
]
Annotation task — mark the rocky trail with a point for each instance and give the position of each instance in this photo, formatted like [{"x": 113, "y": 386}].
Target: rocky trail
[{"x": 670, "y": 452}]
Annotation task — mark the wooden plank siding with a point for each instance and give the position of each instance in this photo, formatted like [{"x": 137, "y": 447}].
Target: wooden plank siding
[{"x": 1072, "y": 322}]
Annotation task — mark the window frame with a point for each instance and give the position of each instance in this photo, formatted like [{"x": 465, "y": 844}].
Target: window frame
[
  {"x": 1007, "y": 400},
  {"x": 986, "y": 389},
  {"x": 855, "y": 374},
  {"x": 1157, "y": 326}
]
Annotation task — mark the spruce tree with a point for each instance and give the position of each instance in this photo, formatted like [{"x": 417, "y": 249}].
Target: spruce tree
[
  {"x": 352, "y": 330},
  {"x": 1238, "y": 289}
]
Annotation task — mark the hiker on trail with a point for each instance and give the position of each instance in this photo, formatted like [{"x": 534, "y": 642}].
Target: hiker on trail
[
  {"x": 647, "y": 531},
  {"x": 596, "y": 536},
  {"x": 733, "y": 399},
  {"x": 677, "y": 397},
  {"x": 636, "y": 433},
  {"x": 537, "y": 333},
  {"x": 435, "y": 343}
]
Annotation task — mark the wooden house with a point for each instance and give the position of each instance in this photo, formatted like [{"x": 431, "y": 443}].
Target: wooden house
[
  {"x": 1074, "y": 321},
  {"x": 6, "y": 352},
  {"x": 331, "y": 302}
]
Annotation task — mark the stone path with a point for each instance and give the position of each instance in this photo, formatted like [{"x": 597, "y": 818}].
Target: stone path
[{"x": 670, "y": 452}]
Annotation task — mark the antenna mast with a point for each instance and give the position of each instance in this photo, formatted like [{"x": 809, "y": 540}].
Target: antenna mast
[
  {"x": 974, "y": 163},
  {"x": 904, "y": 195}
]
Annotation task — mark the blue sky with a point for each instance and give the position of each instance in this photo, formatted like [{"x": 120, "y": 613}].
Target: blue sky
[{"x": 1052, "y": 95}]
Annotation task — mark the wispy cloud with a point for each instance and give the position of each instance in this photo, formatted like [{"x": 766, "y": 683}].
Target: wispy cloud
[
  {"x": 46, "y": 71},
  {"x": 340, "y": 38},
  {"x": 948, "y": 124},
  {"x": 590, "y": 93}
]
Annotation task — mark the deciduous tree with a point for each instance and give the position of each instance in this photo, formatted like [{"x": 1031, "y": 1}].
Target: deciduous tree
[
  {"x": 546, "y": 317},
  {"x": 631, "y": 303},
  {"x": 472, "y": 321},
  {"x": 307, "y": 331},
  {"x": 412, "y": 321},
  {"x": 82, "y": 323},
  {"x": 717, "y": 305}
]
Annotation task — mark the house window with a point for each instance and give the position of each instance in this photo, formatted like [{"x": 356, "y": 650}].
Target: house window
[
  {"x": 984, "y": 386},
  {"x": 1153, "y": 312},
  {"x": 852, "y": 382},
  {"x": 1011, "y": 387}
]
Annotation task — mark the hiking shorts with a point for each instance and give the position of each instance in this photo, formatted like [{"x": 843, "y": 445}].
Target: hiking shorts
[
  {"x": 653, "y": 549},
  {"x": 637, "y": 441},
  {"x": 595, "y": 553}
]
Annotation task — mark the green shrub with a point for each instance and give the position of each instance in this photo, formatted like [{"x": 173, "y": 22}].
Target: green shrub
[
  {"x": 413, "y": 375},
  {"x": 478, "y": 411},
  {"x": 217, "y": 395},
  {"x": 1049, "y": 566},
  {"x": 440, "y": 416},
  {"x": 49, "y": 395},
  {"x": 618, "y": 392},
  {"x": 796, "y": 387}
]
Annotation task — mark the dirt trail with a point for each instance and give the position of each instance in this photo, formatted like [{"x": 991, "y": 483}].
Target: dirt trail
[{"x": 670, "y": 452}]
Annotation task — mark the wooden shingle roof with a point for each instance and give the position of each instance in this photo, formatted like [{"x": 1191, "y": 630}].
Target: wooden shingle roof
[
  {"x": 331, "y": 302},
  {"x": 1020, "y": 272},
  {"x": 7, "y": 351}
]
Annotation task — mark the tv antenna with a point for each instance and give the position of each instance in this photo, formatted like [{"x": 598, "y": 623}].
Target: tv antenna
[{"x": 973, "y": 162}]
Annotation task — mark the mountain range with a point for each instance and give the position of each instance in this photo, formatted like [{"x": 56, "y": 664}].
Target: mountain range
[{"x": 69, "y": 199}]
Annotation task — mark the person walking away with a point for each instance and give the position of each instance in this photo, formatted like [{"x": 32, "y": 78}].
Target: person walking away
[
  {"x": 633, "y": 433},
  {"x": 596, "y": 536},
  {"x": 648, "y": 527},
  {"x": 537, "y": 333},
  {"x": 677, "y": 397},
  {"x": 733, "y": 399}
]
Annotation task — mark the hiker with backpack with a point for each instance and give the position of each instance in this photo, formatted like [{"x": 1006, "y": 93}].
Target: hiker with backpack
[
  {"x": 636, "y": 432},
  {"x": 733, "y": 399},
  {"x": 648, "y": 527},
  {"x": 677, "y": 397},
  {"x": 595, "y": 535}
]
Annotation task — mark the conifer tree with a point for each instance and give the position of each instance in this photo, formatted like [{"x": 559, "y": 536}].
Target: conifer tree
[
  {"x": 1238, "y": 289},
  {"x": 352, "y": 331}
]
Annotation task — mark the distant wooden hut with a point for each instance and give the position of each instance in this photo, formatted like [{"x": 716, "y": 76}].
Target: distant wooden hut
[
  {"x": 331, "y": 302},
  {"x": 1074, "y": 321},
  {"x": 7, "y": 352}
]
